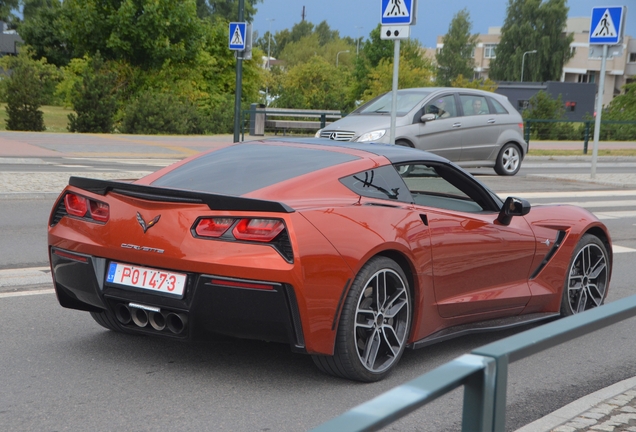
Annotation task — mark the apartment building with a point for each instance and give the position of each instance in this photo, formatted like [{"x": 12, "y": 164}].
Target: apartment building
[{"x": 620, "y": 68}]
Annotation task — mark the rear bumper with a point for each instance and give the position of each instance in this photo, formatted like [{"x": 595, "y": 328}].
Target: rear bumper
[{"x": 211, "y": 304}]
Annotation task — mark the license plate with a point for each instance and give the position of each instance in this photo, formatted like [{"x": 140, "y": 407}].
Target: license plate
[{"x": 146, "y": 278}]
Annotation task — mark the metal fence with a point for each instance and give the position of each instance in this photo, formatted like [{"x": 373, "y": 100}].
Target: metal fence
[
  {"x": 570, "y": 130},
  {"x": 483, "y": 374}
]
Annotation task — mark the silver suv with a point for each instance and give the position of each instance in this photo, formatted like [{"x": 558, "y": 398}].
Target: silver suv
[{"x": 473, "y": 128}]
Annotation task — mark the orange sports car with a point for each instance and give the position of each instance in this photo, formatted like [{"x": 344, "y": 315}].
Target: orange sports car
[{"x": 349, "y": 252}]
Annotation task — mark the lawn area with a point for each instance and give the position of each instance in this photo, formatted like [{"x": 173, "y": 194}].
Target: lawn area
[
  {"x": 55, "y": 117},
  {"x": 601, "y": 152}
]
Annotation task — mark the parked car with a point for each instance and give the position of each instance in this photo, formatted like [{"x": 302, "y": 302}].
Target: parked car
[
  {"x": 321, "y": 245},
  {"x": 472, "y": 128}
]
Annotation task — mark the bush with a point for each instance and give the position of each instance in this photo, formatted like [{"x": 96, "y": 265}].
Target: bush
[
  {"x": 162, "y": 113},
  {"x": 26, "y": 90},
  {"x": 93, "y": 99}
]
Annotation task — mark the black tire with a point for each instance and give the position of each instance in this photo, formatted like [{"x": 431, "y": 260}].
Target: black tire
[
  {"x": 587, "y": 278},
  {"x": 508, "y": 160},
  {"x": 374, "y": 324},
  {"x": 108, "y": 321}
]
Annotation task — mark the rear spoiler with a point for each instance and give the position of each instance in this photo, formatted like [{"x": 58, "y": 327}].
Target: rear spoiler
[{"x": 213, "y": 201}]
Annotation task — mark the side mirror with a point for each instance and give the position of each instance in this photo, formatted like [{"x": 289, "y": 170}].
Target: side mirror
[
  {"x": 427, "y": 117},
  {"x": 513, "y": 207}
]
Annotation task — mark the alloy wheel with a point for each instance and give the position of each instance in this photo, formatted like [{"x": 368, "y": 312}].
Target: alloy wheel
[
  {"x": 382, "y": 317},
  {"x": 587, "y": 280}
]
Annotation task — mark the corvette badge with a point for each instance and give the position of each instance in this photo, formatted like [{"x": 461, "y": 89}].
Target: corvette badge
[{"x": 147, "y": 225}]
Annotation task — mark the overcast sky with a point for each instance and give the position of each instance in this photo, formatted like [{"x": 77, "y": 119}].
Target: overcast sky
[{"x": 358, "y": 17}]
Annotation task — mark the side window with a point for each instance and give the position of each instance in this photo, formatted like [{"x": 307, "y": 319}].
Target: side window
[
  {"x": 382, "y": 183},
  {"x": 442, "y": 107},
  {"x": 499, "y": 109},
  {"x": 474, "y": 105},
  {"x": 429, "y": 188}
]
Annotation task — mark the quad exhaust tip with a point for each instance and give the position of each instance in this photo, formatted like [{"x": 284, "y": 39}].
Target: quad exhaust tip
[{"x": 143, "y": 315}]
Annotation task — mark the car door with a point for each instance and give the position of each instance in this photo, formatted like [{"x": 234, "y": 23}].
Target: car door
[
  {"x": 442, "y": 135},
  {"x": 480, "y": 126},
  {"x": 479, "y": 265}
]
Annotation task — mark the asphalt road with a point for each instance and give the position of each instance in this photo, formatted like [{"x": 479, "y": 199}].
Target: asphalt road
[{"x": 61, "y": 371}]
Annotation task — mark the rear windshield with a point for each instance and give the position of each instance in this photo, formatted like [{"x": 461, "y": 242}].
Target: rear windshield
[
  {"x": 243, "y": 168},
  {"x": 406, "y": 101}
]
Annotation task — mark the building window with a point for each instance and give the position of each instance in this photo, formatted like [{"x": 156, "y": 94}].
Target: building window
[
  {"x": 489, "y": 50},
  {"x": 632, "y": 57},
  {"x": 573, "y": 51},
  {"x": 589, "y": 77}
]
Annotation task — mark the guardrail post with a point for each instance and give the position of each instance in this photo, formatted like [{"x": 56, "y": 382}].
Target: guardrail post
[
  {"x": 526, "y": 132},
  {"x": 323, "y": 120},
  {"x": 479, "y": 399},
  {"x": 586, "y": 136}
]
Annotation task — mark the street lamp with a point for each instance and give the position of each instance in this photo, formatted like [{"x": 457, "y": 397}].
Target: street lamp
[
  {"x": 340, "y": 52},
  {"x": 269, "y": 39},
  {"x": 523, "y": 60},
  {"x": 358, "y": 42}
]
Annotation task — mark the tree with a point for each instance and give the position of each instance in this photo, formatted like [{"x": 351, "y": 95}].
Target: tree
[
  {"x": 6, "y": 9},
  {"x": 26, "y": 90},
  {"x": 533, "y": 25},
  {"x": 411, "y": 74},
  {"x": 144, "y": 33},
  {"x": 94, "y": 99},
  {"x": 456, "y": 57},
  {"x": 42, "y": 30},
  {"x": 226, "y": 9},
  {"x": 481, "y": 84},
  {"x": 315, "y": 84}
]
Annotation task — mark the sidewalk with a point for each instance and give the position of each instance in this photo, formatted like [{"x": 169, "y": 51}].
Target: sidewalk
[{"x": 610, "y": 409}]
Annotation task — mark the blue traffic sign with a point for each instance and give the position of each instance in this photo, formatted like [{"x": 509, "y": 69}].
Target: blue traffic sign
[
  {"x": 237, "y": 36},
  {"x": 396, "y": 12},
  {"x": 606, "y": 25}
]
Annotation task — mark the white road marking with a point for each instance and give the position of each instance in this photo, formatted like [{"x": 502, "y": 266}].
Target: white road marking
[
  {"x": 25, "y": 276},
  {"x": 622, "y": 249},
  {"x": 574, "y": 194},
  {"x": 26, "y": 293},
  {"x": 594, "y": 204}
]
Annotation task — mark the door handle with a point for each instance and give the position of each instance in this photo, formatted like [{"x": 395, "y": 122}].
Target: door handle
[
  {"x": 491, "y": 121},
  {"x": 456, "y": 125}
]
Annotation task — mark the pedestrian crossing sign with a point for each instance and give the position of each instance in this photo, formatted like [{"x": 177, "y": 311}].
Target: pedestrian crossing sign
[
  {"x": 237, "y": 36},
  {"x": 606, "y": 25},
  {"x": 398, "y": 12}
]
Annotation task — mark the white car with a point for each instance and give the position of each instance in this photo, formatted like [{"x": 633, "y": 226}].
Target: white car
[{"x": 472, "y": 128}]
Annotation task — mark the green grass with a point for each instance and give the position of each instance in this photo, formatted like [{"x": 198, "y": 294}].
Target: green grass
[
  {"x": 606, "y": 152},
  {"x": 55, "y": 117}
]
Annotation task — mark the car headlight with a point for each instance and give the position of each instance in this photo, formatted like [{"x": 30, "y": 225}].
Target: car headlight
[
  {"x": 372, "y": 136},
  {"x": 318, "y": 133}
]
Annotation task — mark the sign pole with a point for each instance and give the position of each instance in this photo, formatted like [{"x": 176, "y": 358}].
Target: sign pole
[
  {"x": 239, "y": 80},
  {"x": 599, "y": 111},
  {"x": 396, "y": 70}
]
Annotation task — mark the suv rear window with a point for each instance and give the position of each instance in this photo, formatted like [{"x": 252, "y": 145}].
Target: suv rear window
[{"x": 243, "y": 168}]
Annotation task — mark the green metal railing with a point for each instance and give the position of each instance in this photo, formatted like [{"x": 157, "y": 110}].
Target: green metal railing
[
  {"x": 574, "y": 134},
  {"x": 483, "y": 374}
]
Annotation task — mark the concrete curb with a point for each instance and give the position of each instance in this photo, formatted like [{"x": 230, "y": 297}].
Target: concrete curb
[{"x": 578, "y": 407}]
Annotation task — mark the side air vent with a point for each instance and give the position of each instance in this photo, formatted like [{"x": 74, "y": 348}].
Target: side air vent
[{"x": 59, "y": 213}]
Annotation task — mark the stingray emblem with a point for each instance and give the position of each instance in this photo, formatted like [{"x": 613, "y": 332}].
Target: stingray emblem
[{"x": 147, "y": 225}]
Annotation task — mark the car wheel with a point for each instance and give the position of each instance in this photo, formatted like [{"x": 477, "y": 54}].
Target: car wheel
[
  {"x": 374, "y": 324},
  {"x": 508, "y": 160},
  {"x": 588, "y": 277}
]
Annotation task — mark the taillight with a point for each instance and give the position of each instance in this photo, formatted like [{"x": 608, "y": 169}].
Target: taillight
[
  {"x": 260, "y": 230},
  {"x": 76, "y": 205},
  {"x": 213, "y": 227},
  {"x": 80, "y": 206},
  {"x": 99, "y": 210}
]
